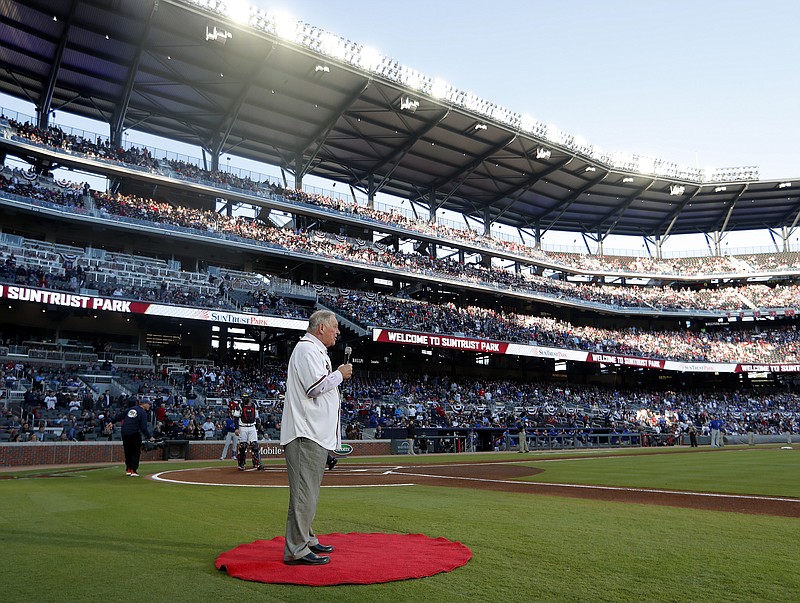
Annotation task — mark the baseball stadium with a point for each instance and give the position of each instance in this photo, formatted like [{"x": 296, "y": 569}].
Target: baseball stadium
[{"x": 184, "y": 183}]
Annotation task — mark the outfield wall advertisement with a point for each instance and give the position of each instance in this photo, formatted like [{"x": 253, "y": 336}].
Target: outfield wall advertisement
[
  {"x": 111, "y": 304},
  {"x": 517, "y": 349}
]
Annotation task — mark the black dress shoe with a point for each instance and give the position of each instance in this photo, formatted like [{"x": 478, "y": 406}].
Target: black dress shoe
[
  {"x": 310, "y": 559},
  {"x": 321, "y": 548},
  {"x": 332, "y": 464}
]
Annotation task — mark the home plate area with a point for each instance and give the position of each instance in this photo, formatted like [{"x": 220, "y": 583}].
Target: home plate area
[{"x": 489, "y": 475}]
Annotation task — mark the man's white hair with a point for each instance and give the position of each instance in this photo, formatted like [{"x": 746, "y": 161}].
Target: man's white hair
[{"x": 320, "y": 317}]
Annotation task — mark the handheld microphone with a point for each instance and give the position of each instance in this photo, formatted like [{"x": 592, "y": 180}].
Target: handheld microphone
[{"x": 347, "y": 351}]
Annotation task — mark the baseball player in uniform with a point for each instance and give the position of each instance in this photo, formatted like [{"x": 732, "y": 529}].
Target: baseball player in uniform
[{"x": 248, "y": 436}]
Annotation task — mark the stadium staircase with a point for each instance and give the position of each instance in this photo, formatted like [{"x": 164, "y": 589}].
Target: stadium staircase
[{"x": 346, "y": 325}]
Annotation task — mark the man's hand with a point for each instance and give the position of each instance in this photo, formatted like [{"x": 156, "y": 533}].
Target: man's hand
[{"x": 346, "y": 370}]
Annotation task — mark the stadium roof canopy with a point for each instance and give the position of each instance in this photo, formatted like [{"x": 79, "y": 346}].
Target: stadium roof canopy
[{"x": 182, "y": 70}]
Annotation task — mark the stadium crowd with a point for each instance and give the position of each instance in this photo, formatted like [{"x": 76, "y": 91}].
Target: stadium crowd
[
  {"x": 767, "y": 345},
  {"x": 723, "y": 299},
  {"x": 195, "y": 404},
  {"x": 101, "y": 148}
]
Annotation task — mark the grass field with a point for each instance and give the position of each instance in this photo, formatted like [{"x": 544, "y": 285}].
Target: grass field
[{"x": 96, "y": 535}]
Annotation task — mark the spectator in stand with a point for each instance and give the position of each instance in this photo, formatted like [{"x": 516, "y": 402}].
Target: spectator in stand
[
  {"x": 40, "y": 435},
  {"x": 50, "y": 400},
  {"x": 208, "y": 428}
]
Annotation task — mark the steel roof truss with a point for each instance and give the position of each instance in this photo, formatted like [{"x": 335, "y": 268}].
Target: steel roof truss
[
  {"x": 338, "y": 112},
  {"x": 729, "y": 213},
  {"x": 619, "y": 211},
  {"x": 565, "y": 203},
  {"x": 396, "y": 157},
  {"x": 47, "y": 96},
  {"x": 677, "y": 212}
]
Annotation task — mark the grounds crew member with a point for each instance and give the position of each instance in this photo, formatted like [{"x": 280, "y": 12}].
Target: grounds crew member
[{"x": 134, "y": 426}]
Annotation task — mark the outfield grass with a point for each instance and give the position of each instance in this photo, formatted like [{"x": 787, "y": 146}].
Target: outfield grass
[{"x": 97, "y": 535}]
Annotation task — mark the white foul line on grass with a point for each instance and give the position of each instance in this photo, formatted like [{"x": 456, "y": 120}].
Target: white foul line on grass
[
  {"x": 159, "y": 477},
  {"x": 609, "y": 488}
]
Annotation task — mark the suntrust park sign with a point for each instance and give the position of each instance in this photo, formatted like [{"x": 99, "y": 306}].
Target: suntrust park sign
[
  {"x": 111, "y": 304},
  {"x": 68, "y": 300}
]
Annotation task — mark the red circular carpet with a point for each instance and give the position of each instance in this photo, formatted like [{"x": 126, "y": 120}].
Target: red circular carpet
[{"x": 358, "y": 559}]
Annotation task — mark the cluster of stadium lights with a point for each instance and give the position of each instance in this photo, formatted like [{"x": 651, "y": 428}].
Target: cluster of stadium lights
[{"x": 325, "y": 43}]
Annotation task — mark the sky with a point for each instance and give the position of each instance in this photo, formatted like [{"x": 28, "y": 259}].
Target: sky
[{"x": 702, "y": 83}]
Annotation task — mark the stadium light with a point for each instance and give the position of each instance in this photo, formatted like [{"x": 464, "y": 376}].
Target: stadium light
[
  {"x": 317, "y": 40},
  {"x": 528, "y": 123},
  {"x": 784, "y": 185},
  {"x": 285, "y": 26},
  {"x": 408, "y": 104},
  {"x": 646, "y": 165},
  {"x": 369, "y": 58},
  {"x": 237, "y": 10},
  {"x": 676, "y": 189},
  {"x": 552, "y": 133},
  {"x": 440, "y": 89},
  {"x": 411, "y": 78},
  {"x": 216, "y": 34},
  {"x": 333, "y": 45}
]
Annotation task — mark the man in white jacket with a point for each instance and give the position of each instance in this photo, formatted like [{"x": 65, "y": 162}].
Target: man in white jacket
[{"x": 309, "y": 429}]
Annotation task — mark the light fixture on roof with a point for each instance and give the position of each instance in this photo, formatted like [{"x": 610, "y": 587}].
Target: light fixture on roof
[
  {"x": 590, "y": 168},
  {"x": 676, "y": 189},
  {"x": 481, "y": 126},
  {"x": 285, "y": 26},
  {"x": 528, "y": 123},
  {"x": 720, "y": 189},
  {"x": 627, "y": 180},
  {"x": 784, "y": 185},
  {"x": 408, "y": 104},
  {"x": 552, "y": 133},
  {"x": 333, "y": 45},
  {"x": 236, "y": 10},
  {"x": 440, "y": 89},
  {"x": 217, "y": 34},
  {"x": 322, "y": 69},
  {"x": 542, "y": 153},
  {"x": 369, "y": 58}
]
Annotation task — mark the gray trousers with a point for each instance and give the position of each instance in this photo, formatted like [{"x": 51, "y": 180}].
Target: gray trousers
[
  {"x": 231, "y": 439},
  {"x": 305, "y": 464}
]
